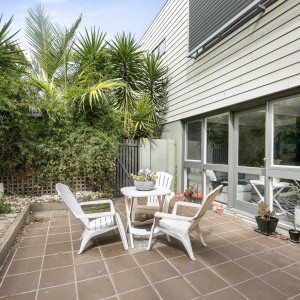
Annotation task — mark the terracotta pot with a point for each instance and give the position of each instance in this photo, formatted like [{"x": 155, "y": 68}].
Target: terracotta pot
[
  {"x": 220, "y": 211},
  {"x": 197, "y": 196}
]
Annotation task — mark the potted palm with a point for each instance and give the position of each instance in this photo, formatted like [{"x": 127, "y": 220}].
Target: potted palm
[
  {"x": 294, "y": 233},
  {"x": 265, "y": 220}
]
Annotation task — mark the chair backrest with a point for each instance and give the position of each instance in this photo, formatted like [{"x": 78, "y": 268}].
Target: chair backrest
[
  {"x": 206, "y": 204},
  {"x": 164, "y": 179},
  {"x": 66, "y": 194}
]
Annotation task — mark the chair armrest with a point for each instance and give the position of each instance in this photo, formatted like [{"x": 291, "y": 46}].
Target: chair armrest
[
  {"x": 182, "y": 203},
  {"x": 102, "y": 201},
  {"x": 172, "y": 217},
  {"x": 188, "y": 204},
  {"x": 96, "y": 215}
]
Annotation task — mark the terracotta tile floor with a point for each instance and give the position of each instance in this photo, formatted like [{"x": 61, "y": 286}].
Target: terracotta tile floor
[{"x": 237, "y": 263}]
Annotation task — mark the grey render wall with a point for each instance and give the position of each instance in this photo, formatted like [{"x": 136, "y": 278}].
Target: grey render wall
[
  {"x": 159, "y": 155},
  {"x": 258, "y": 59}
]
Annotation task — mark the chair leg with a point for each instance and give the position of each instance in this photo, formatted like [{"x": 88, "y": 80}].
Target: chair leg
[
  {"x": 86, "y": 236},
  {"x": 151, "y": 236},
  {"x": 122, "y": 231},
  {"x": 168, "y": 238},
  {"x": 187, "y": 244},
  {"x": 201, "y": 236},
  {"x": 201, "y": 239}
]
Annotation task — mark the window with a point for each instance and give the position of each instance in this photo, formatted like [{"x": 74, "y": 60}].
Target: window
[
  {"x": 252, "y": 138},
  {"x": 286, "y": 150},
  {"x": 212, "y": 20},
  {"x": 217, "y": 139},
  {"x": 161, "y": 48},
  {"x": 193, "y": 143}
]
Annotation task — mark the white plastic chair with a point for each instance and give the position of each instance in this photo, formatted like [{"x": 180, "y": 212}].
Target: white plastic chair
[
  {"x": 94, "y": 223},
  {"x": 153, "y": 204},
  {"x": 179, "y": 226}
]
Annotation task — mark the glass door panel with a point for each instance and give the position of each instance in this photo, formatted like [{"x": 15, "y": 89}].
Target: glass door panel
[
  {"x": 251, "y": 151},
  {"x": 287, "y": 132},
  {"x": 250, "y": 137},
  {"x": 217, "y": 139},
  {"x": 193, "y": 141}
]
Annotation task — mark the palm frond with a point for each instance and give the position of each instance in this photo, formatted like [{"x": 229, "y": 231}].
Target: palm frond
[
  {"x": 10, "y": 52},
  {"x": 90, "y": 45},
  {"x": 97, "y": 93}
]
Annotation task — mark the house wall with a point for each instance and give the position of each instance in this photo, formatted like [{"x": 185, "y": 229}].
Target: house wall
[
  {"x": 159, "y": 155},
  {"x": 259, "y": 59}
]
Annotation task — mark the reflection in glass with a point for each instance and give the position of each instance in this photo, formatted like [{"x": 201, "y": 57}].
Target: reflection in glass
[
  {"x": 194, "y": 140},
  {"x": 252, "y": 139},
  {"x": 216, "y": 178},
  {"x": 217, "y": 139},
  {"x": 287, "y": 132}
]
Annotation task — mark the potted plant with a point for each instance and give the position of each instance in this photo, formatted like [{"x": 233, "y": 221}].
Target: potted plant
[
  {"x": 294, "y": 233},
  {"x": 145, "y": 180},
  {"x": 265, "y": 220},
  {"x": 188, "y": 192},
  {"x": 220, "y": 209},
  {"x": 195, "y": 193}
]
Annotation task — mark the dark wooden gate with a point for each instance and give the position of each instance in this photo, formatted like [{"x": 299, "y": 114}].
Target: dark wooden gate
[{"x": 127, "y": 163}]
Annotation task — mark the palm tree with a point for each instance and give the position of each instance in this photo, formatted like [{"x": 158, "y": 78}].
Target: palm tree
[
  {"x": 10, "y": 52},
  {"x": 55, "y": 73},
  {"x": 154, "y": 81},
  {"x": 146, "y": 80}
]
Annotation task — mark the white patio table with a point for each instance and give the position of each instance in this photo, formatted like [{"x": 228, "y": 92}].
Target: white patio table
[
  {"x": 131, "y": 197},
  {"x": 277, "y": 188}
]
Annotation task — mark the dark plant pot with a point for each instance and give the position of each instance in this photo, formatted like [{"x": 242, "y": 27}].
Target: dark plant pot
[
  {"x": 266, "y": 227},
  {"x": 188, "y": 197},
  {"x": 294, "y": 235}
]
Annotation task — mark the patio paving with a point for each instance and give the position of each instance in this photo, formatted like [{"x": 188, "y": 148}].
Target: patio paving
[{"x": 237, "y": 263}]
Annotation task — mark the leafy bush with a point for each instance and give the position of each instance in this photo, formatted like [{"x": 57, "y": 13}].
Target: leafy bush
[{"x": 4, "y": 206}]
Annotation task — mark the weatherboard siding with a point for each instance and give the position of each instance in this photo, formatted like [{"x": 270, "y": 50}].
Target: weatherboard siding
[{"x": 260, "y": 58}]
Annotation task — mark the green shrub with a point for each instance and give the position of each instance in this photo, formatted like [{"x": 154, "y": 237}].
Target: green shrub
[{"x": 4, "y": 206}]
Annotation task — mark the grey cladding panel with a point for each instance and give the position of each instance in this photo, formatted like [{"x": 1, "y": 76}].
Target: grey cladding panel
[{"x": 207, "y": 16}]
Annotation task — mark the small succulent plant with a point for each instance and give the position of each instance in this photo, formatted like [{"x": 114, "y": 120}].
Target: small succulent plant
[
  {"x": 264, "y": 212},
  {"x": 144, "y": 175}
]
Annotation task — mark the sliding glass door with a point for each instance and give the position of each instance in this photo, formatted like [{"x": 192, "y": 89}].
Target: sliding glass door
[{"x": 250, "y": 159}]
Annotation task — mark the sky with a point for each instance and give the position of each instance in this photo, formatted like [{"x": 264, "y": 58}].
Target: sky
[{"x": 111, "y": 16}]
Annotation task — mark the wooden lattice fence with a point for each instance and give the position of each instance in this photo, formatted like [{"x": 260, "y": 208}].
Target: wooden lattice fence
[{"x": 15, "y": 185}]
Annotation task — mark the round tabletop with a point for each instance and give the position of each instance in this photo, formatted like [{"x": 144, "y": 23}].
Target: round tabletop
[{"x": 131, "y": 191}]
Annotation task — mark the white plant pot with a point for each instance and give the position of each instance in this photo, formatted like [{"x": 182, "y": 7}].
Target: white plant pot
[
  {"x": 297, "y": 215},
  {"x": 262, "y": 178},
  {"x": 144, "y": 185}
]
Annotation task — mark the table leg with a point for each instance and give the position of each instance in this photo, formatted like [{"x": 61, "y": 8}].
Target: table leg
[{"x": 128, "y": 206}]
